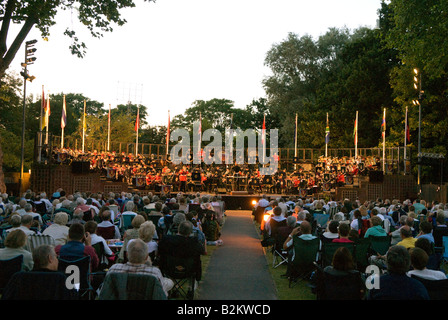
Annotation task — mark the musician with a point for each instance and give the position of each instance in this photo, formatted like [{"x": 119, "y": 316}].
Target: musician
[{"x": 183, "y": 176}]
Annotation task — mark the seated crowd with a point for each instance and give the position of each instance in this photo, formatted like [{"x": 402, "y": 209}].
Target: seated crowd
[
  {"x": 413, "y": 232},
  {"x": 119, "y": 233}
]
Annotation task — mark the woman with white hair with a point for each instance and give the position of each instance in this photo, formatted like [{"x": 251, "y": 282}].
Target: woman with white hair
[{"x": 58, "y": 230}]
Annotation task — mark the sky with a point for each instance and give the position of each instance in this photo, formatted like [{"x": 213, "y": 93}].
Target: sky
[{"x": 173, "y": 52}]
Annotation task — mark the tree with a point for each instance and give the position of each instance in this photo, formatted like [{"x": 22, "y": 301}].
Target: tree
[{"x": 97, "y": 16}]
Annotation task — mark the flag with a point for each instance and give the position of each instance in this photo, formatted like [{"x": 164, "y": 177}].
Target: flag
[
  {"x": 355, "y": 130},
  {"x": 46, "y": 112},
  {"x": 383, "y": 124},
  {"x": 84, "y": 124},
  {"x": 42, "y": 110},
  {"x": 137, "y": 121},
  {"x": 327, "y": 132},
  {"x": 64, "y": 114}
]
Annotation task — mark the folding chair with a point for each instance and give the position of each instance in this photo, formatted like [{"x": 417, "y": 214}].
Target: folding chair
[
  {"x": 81, "y": 274},
  {"x": 8, "y": 268},
  {"x": 131, "y": 286},
  {"x": 348, "y": 286},
  {"x": 362, "y": 253},
  {"x": 36, "y": 240},
  {"x": 329, "y": 248},
  {"x": 380, "y": 244},
  {"x": 321, "y": 219},
  {"x": 305, "y": 254},
  {"x": 437, "y": 289},
  {"x": 183, "y": 273}
]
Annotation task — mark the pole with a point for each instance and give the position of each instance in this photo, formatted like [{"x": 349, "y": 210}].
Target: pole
[
  {"x": 83, "y": 126},
  {"x": 39, "y": 154},
  {"x": 356, "y": 136},
  {"x": 326, "y": 143},
  {"x": 137, "y": 127},
  {"x": 23, "y": 133},
  {"x": 384, "y": 142},
  {"x": 108, "y": 130},
  {"x": 47, "y": 117},
  {"x": 405, "y": 137},
  {"x": 295, "y": 143}
]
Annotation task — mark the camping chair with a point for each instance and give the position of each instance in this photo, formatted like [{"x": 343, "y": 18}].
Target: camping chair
[
  {"x": 301, "y": 264},
  {"x": 279, "y": 255},
  {"x": 183, "y": 273},
  {"x": 362, "y": 253},
  {"x": 36, "y": 240},
  {"x": 126, "y": 221},
  {"x": 8, "y": 268},
  {"x": 380, "y": 244},
  {"x": 329, "y": 248},
  {"x": 45, "y": 286},
  {"x": 437, "y": 289},
  {"x": 349, "y": 286},
  {"x": 131, "y": 286},
  {"x": 321, "y": 219},
  {"x": 81, "y": 275},
  {"x": 258, "y": 214},
  {"x": 106, "y": 232}
]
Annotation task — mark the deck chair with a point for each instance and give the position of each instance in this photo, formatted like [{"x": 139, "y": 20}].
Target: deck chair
[
  {"x": 126, "y": 221},
  {"x": 82, "y": 281},
  {"x": 329, "y": 248},
  {"x": 131, "y": 286},
  {"x": 106, "y": 232},
  {"x": 348, "y": 286},
  {"x": 183, "y": 273},
  {"x": 437, "y": 289},
  {"x": 301, "y": 264},
  {"x": 8, "y": 268}
]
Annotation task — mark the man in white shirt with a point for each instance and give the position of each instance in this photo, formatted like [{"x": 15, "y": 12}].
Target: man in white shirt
[
  {"x": 263, "y": 202},
  {"x": 419, "y": 260}
]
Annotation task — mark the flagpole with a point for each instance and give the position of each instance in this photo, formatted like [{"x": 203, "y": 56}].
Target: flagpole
[
  {"x": 356, "y": 135},
  {"x": 326, "y": 139},
  {"x": 137, "y": 127},
  {"x": 62, "y": 127},
  {"x": 47, "y": 116},
  {"x": 405, "y": 137},
  {"x": 83, "y": 126},
  {"x": 384, "y": 140},
  {"x": 108, "y": 130},
  {"x": 39, "y": 156},
  {"x": 168, "y": 134}
]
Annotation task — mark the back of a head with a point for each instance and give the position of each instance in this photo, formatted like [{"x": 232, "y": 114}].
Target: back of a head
[
  {"x": 344, "y": 229},
  {"x": 91, "y": 226},
  {"x": 398, "y": 260},
  {"x": 419, "y": 258},
  {"x": 342, "y": 259},
  {"x": 41, "y": 254},
  {"x": 406, "y": 232},
  {"x": 15, "y": 239},
  {"x": 27, "y": 219},
  {"x": 106, "y": 215},
  {"x": 305, "y": 227},
  {"x": 333, "y": 226},
  {"x": 291, "y": 221},
  {"x": 76, "y": 232},
  {"x": 61, "y": 218},
  {"x": 15, "y": 220},
  {"x": 137, "y": 251},
  {"x": 277, "y": 211},
  {"x": 425, "y": 227},
  {"x": 185, "y": 228},
  {"x": 376, "y": 221}
]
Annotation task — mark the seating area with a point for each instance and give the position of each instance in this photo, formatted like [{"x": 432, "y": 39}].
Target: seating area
[
  {"x": 108, "y": 224},
  {"x": 313, "y": 260}
]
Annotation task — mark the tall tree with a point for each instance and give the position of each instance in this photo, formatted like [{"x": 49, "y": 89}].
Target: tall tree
[{"x": 98, "y": 16}]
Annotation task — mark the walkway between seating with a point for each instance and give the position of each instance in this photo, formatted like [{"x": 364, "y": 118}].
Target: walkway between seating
[{"x": 238, "y": 270}]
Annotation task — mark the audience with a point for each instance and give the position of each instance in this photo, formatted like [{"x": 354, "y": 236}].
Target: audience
[
  {"x": 58, "y": 230},
  {"x": 419, "y": 262},
  {"x": 15, "y": 243}
]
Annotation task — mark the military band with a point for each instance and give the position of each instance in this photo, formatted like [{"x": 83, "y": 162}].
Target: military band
[{"x": 155, "y": 173}]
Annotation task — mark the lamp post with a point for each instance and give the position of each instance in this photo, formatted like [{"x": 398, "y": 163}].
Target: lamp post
[
  {"x": 418, "y": 87},
  {"x": 29, "y": 59}
]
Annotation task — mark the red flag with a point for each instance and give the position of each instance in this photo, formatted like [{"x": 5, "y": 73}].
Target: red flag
[{"x": 137, "y": 122}]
